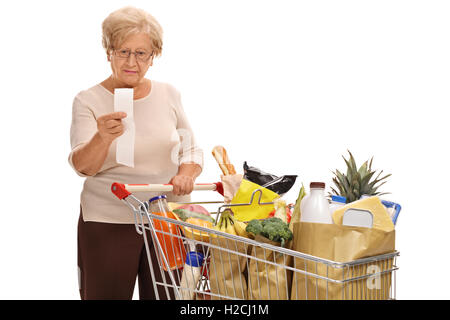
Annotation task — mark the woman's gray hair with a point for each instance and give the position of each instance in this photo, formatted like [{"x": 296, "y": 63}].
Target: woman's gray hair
[{"x": 130, "y": 20}]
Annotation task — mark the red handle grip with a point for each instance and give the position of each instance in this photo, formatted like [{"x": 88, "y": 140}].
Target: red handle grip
[{"x": 119, "y": 190}]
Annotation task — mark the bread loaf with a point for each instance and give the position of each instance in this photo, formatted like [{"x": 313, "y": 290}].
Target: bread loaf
[{"x": 221, "y": 156}]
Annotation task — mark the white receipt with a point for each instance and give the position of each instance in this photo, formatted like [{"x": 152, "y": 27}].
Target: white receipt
[{"x": 123, "y": 101}]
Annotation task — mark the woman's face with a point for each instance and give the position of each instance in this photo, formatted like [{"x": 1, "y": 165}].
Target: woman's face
[{"x": 129, "y": 72}]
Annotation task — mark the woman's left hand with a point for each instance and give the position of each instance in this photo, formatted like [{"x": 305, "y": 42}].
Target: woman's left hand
[{"x": 182, "y": 185}]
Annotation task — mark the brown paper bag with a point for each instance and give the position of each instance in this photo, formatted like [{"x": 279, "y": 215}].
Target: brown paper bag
[
  {"x": 268, "y": 279},
  {"x": 341, "y": 244},
  {"x": 230, "y": 185},
  {"x": 228, "y": 269}
]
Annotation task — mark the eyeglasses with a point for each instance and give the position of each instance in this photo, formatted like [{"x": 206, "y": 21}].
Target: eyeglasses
[{"x": 140, "y": 54}]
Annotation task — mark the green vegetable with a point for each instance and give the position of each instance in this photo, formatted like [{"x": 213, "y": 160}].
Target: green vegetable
[
  {"x": 185, "y": 214},
  {"x": 255, "y": 227},
  {"x": 296, "y": 214},
  {"x": 273, "y": 229}
]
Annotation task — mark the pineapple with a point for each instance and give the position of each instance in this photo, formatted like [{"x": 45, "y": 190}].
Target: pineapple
[{"x": 357, "y": 182}]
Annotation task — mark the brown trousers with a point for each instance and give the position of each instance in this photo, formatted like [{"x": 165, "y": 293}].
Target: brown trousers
[{"x": 110, "y": 257}]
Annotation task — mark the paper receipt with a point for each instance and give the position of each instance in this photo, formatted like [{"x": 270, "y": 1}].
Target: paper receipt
[{"x": 123, "y": 101}]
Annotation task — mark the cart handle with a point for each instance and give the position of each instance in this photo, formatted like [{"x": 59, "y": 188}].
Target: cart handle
[{"x": 124, "y": 190}]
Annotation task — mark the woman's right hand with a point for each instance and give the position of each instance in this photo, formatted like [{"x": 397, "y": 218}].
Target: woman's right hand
[
  {"x": 89, "y": 158},
  {"x": 110, "y": 126}
]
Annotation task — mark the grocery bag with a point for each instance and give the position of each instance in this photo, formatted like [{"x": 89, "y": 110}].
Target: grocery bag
[
  {"x": 228, "y": 269},
  {"x": 342, "y": 244},
  {"x": 230, "y": 185},
  {"x": 268, "y": 277},
  {"x": 254, "y": 210}
]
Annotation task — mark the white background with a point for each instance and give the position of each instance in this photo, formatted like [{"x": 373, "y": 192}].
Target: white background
[{"x": 288, "y": 86}]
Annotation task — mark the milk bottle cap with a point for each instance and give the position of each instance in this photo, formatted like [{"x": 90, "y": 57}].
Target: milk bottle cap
[{"x": 320, "y": 185}]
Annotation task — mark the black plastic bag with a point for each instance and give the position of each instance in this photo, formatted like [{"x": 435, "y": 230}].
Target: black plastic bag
[{"x": 279, "y": 185}]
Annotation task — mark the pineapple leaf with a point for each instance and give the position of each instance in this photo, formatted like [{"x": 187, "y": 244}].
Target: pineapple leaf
[
  {"x": 356, "y": 185},
  {"x": 367, "y": 177},
  {"x": 349, "y": 169},
  {"x": 345, "y": 183},
  {"x": 352, "y": 162},
  {"x": 334, "y": 191},
  {"x": 373, "y": 183},
  {"x": 365, "y": 188},
  {"x": 351, "y": 197},
  {"x": 339, "y": 186},
  {"x": 376, "y": 188},
  {"x": 379, "y": 174},
  {"x": 357, "y": 182},
  {"x": 363, "y": 170}
]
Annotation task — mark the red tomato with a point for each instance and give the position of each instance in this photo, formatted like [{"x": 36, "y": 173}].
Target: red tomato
[{"x": 288, "y": 214}]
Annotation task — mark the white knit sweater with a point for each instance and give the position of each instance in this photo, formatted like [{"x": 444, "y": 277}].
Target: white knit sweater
[{"x": 163, "y": 140}]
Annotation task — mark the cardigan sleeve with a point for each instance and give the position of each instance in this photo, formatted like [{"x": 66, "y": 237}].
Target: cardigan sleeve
[{"x": 82, "y": 129}]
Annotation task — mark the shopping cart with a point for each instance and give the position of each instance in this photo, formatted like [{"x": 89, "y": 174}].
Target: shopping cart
[{"x": 236, "y": 267}]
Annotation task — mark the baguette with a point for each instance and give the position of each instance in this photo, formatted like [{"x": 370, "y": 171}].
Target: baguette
[{"x": 221, "y": 156}]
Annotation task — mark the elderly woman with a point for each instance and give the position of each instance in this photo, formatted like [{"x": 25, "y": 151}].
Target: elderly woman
[{"x": 110, "y": 252}]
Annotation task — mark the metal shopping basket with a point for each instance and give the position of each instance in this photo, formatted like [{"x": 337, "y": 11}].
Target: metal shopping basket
[{"x": 235, "y": 267}]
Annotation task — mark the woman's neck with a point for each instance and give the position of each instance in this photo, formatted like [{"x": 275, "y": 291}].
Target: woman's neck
[{"x": 140, "y": 91}]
